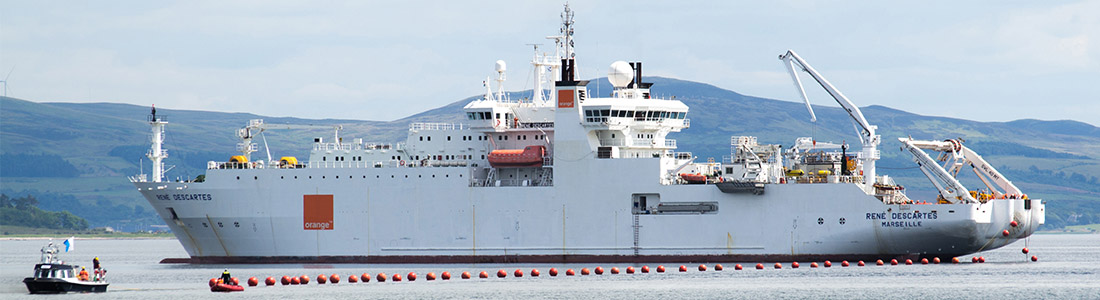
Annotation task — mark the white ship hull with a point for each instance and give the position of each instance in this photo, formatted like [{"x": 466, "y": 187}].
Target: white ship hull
[{"x": 434, "y": 216}]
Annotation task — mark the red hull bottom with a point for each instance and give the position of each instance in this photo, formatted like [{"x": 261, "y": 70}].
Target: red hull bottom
[{"x": 540, "y": 259}]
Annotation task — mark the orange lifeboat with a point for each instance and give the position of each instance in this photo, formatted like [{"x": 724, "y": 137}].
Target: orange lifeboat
[
  {"x": 694, "y": 178},
  {"x": 531, "y": 156}
]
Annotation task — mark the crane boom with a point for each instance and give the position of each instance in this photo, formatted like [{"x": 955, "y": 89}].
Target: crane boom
[
  {"x": 956, "y": 155},
  {"x": 866, "y": 131},
  {"x": 948, "y": 187},
  {"x": 257, "y": 126}
]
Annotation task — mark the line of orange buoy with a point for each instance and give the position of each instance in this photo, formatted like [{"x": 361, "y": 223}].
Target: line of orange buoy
[{"x": 599, "y": 270}]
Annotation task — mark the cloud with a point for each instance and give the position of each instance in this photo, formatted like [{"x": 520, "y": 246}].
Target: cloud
[{"x": 386, "y": 60}]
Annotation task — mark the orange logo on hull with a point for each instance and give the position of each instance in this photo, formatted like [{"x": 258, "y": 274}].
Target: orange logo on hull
[
  {"x": 565, "y": 98},
  {"x": 317, "y": 212}
]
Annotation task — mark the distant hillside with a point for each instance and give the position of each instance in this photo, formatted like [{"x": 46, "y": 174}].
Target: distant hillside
[{"x": 1055, "y": 160}]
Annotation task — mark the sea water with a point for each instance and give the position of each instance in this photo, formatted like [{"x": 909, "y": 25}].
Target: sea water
[{"x": 1068, "y": 268}]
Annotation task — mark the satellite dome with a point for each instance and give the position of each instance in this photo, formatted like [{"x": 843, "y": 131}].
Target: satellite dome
[
  {"x": 501, "y": 66},
  {"x": 620, "y": 74}
]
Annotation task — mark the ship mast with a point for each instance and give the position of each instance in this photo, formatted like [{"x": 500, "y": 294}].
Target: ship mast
[
  {"x": 568, "y": 60},
  {"x": 156, "y": 153}
]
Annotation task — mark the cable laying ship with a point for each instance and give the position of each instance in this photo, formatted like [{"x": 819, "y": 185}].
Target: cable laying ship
[{"x": 568, "y": 177}]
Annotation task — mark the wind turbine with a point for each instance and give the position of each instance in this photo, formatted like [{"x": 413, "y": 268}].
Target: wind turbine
[{"x": 5, "y": 81}]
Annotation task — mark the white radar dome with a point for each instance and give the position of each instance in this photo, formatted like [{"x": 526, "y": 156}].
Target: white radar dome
[
  {"x": 501, "y": 66},
  {"x": 620, "y": 74}
]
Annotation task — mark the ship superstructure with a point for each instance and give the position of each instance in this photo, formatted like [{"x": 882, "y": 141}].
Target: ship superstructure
[{"x": 566, "y": 176}]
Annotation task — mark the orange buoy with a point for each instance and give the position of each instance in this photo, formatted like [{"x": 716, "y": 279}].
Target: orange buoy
[
  {"x": 954, "y": 260},
  {"x": 599, "y": 270},
  {"x": 305, "y": 279},
  {"x": 295, "y": 280},
  {"x": 395, "y": 277},
  {"x": 252, "y": 281},
  {"x": 908, "y": 261},
  {"x": 936, "y": 260},
  {"x": 1005, "y": 232},
  {"x": 974, "y": 259},
  {"x": 683, "y": 268},
  {"x": 1025, "y": 251},
  {"x": 381, "y": 277},
  {"x": 365, "y": 277},
  {"x": 794, "y": 265},
  {"x": 778, "y": 266},
  {"x": 924, "y": 261},
  {"x": 630, "y": 270},
  {"x": 718, "y": 267},
  {"x": 844, "y": 263},
  {"x": 334, "y": 278},
  {"x": 614, "y": 270},
  {"x": 860, "y": 263},
  {"x": 738, "y": 267},
  {"x": 879, "y": 262},
  {"x": 759, "y": 266},
  {"x": 893, "y": 262},
  {"x": 213, "y": 281},
  {"x": 285, "y": 280},
  {"x": 501, "y": 273},
  {"x": 570, "y": 272},
  {"x": 584, "y": 271},
  {"x": 430, "y": 276},
  {"x": 828, "y": 264},
  {"x": 269, "y": 281},
  {"x": 981, "y": 259},
  {"x": 702, "y": 268},
  {"x": 534, "y": 272},
  {"x": 553, "y": 272},
  {"x": 465, "y": 275},
  {"x": 321, "y": 279},
  {"x": 645, "y": 269},
  {"x": 1034, "y": 258},
  {"x": 518, "y": 273},
  {"x": 411, "y": 276},
  {"x": 1013, "y": 223},
  {"x": 235, "y": 281},
  {"x": 352, "y": 278},
  {"x": 660, "y": 269},
  {"x": 445, "y": 276},
  {"x": 813, "y": 265},
  {"x": 483, "y": 275}
]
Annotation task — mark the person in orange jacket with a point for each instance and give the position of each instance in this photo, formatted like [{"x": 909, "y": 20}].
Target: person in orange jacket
[{"x": 83, "y": 276}]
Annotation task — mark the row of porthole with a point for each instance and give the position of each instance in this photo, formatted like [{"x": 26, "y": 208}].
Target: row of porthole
[
  {"x": 350, "y": 177},
  {"x": 220, "y": 225},
  {"x": 821, "y": 221}
]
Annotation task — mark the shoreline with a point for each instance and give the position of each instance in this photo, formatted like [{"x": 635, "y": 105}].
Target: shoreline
[{"x": 21, "y": 238}]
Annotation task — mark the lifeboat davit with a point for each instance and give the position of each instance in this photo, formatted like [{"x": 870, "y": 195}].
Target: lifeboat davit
[
  {"x": 221, "y": 287},
  {"x": 695, "y": 178},
  {"x": 531, "y": 156}
]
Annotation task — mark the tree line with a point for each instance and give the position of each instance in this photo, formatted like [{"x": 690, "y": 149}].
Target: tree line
[{"x": 24, "y": 211}]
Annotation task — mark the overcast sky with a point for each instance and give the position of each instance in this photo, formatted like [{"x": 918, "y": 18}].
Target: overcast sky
[{"x": 383, "y": 60}]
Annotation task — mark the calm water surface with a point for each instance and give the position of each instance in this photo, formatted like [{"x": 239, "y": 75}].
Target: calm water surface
[{"x": 1069, "y": 268}]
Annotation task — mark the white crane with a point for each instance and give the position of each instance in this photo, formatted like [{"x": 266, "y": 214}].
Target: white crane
[
  {"x": 954, "y": 156},
  {"x": 257, "y": 127},
  {"x": 866, "y": 132}
]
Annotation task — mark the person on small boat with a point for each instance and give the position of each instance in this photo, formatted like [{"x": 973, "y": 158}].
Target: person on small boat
[
  {"x": 226, "y": 279},
  {"x": 83, "y": 276},
  {"x": 98, "y": 271}
]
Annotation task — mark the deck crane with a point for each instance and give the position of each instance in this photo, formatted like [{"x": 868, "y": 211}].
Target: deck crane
[
  {"x": 955, "y": 156},
  {"x": 866, "y": 131},
  {"x": 257, "y": 127}
]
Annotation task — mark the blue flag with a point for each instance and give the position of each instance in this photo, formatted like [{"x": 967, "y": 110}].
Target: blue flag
[{"x": 69, "y": 244}]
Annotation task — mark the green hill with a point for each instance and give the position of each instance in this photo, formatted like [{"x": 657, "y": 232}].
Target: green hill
[{"x": 1058, "y": 161}]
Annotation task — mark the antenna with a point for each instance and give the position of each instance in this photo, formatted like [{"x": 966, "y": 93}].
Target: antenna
[{"x": 5, "y": 81}]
